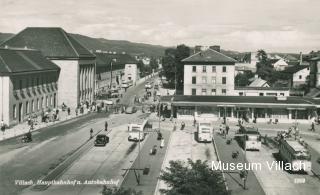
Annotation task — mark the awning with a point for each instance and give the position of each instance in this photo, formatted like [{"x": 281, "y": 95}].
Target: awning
[{"x": 231, "y": 106}]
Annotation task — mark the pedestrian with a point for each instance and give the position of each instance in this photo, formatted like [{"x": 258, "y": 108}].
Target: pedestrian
[
  {"x": 68, "y": 111},
  {"x": 227, "y": 129},
  {"x": 106, "y": 126},
  {"x": 91, "y": 132},
  {"x": 312, "y": 127},
  {"x": 76, "y": 110}
]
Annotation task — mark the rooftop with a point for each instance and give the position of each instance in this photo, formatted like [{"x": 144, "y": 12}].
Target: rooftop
[
  {"x": 209, "y": 56},
  {"x": 53, "y": 42},
  {"x": 23, "y": 60},
  {"x": 294, "y": 69},
  {"x": 258, "y": 82}
]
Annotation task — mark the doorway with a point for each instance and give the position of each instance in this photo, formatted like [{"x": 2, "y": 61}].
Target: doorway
[{"x": 20, "y": 112}]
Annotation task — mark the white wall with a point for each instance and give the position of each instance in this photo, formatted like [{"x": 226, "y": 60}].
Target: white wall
[
  {"x": 4, "y": 99},
  {"x": 304, "y": 73},
  {"x": 218, "y": 74},
  {"x": 131, "y": 70}
]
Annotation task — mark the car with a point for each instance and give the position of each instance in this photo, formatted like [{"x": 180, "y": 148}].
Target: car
[
  {"x": 108, "y": 102},
  {"x": 153, "y": 150},
  {"x": 148, "y": 86},
  {"x": 101, "y": 140},
  {"x": 131, "y": 110}
]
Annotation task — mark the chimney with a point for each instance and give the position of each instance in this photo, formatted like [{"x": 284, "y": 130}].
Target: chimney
[
  {"x": 300, "y": 60},
  {"x": 215, "y": 47},
  {"x": 197, "y": 48}
]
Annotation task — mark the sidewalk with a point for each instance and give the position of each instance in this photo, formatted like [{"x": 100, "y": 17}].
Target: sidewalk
[{"x": 23, "y": 128}]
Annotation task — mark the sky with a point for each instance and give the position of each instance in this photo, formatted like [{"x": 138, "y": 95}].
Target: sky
[{"x": 241, "y": 25}]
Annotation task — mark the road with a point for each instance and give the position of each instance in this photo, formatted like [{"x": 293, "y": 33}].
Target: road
[
  {"x": 50, "y": 147},
  {"x": 153, "y": 162},
  {"x": 234, "y": 182}
]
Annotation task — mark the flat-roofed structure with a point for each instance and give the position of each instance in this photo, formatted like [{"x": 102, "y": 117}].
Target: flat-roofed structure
[{"x": 261, "y": 108}]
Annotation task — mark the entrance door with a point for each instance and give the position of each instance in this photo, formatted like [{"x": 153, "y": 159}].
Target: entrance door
[{"x": 20, "y": 113}]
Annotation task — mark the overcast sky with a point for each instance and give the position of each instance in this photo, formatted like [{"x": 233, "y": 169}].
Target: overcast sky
[{"x": 243, "y": 25}]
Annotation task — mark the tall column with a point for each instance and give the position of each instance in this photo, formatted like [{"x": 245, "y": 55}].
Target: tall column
[{"x": 290, "y": 114}]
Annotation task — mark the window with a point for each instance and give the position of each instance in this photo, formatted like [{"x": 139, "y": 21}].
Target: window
[
  {"x": 32, "y": 105},
  {"x": 38, "y": 104},
  {"x": 300, "y": 76},
  {"x": 27, "y": 107},
  {"x": 240, "y": 93},
  {"x": 194, "y": 80},
  {"x": 27, "y": 83},
  {"x": 37, "y": 81},
  {"x": 281, "y": 94},
  {"x": 204, "y": 92},
  {"x": 213, "y": 91},
  {"x": 213, "y": 69},
  {"x": 224, "y": 69},
  {"x": 32, "y": 82},
  {"x": 224, "y": 80},
  {"x": 213, "y": 80},
  {"x": 194, "y": 69},
  {"x": 204, "y": 80},
  {"x": 42, "y": 102},
  {"x": 204, "y": 69},
  {"x": 260, "y": 94},
  {"x": 20, "y": 84},
  {"x": 14, "y": 111},
  {"x": 224, "y": 91},
  {"x": 193, "y": 91},
  {"x": 47, "y": 101}
]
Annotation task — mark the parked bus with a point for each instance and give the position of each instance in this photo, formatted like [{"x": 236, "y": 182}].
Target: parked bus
[
  {"x": 250, "y": 138},
  {"x": 204, "y": 132},
  {"x": 136, "y": 130},
  {"x": 293, "y": 152}
]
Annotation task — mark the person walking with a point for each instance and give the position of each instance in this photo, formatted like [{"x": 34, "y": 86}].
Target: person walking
[
  {"x": 91, "y": 132},
  {"x": 312, "y": 127},
  {"x": 106, "y": 126},
  {"x": 227, "y": 129},
  {"x": 68, "y": 110}
]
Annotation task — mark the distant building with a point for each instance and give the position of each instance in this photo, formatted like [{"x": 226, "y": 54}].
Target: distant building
[
  {"x": 247, "y": 63},
  {"x": 258, "y": 82},
  {"x": 28, "y": 84},
  {"x": 280, "y": 65},
  {"x": 208, "y": 72},
  {"x": 110, "y": 72},
  {"x": 299, "y": 75},
  {"x": 262, "y": 91},
  {"x": 131, "y": 72},
  {"x": 77, "y": 76}
]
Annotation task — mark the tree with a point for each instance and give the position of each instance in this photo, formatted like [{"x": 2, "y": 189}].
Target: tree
[
  {"x": 192, "y": 178},
  {"x": 154, "y": 63},
  {"x": 242, "y": 79},
  {"x": 172, "y": 65},
  {"x": 119, "y": 191}
]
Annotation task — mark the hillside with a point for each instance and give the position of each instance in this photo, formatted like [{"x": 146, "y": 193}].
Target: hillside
[{"x": 120, "y": 46}]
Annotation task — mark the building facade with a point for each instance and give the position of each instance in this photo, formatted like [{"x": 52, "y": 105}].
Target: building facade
[
  {"x": 209, "y": 72},
  {"x": 131, "y": 73},
  {"x": 28, "y": 84},
  {"x": 77, "y": 76}
]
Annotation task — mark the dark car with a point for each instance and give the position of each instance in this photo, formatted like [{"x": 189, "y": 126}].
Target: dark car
[
  {"x": 101, "y": 140},
  {"x": 131, "y": 110}
]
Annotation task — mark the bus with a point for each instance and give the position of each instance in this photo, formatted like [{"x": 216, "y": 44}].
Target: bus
[
  {"x": 204, "y": 132},
  {"x": 126, "y": 84},
  {"x": 136, "y": 130},
  {"x": 250, "y": 138},
  {"x": 293, "y": 152}
]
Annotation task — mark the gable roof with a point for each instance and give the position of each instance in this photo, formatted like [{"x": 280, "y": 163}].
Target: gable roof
[
  {"x": 103, "y": 61},
  {"x": 209, "y": 56},
  {"x": 258, "y": 82},
  {"x": 53, "y": 42},
  {"x": 17, "y": 61},
  {"x": 294, "y": 69}
]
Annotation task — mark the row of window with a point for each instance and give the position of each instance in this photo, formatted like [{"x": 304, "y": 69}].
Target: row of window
[
  {"x": 35, "y": 105},
  {"x": 213, "y": 68},
  {"x": 208, "y": 92},
  {"x": 205, "y": 80},
  {"x": 33, "y": 81}
]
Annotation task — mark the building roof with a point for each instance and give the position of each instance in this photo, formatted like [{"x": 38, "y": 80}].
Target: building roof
[
  {"x": 24, "y": 60},
  {"x": 258, "y": 82},
  {"x": 53, "y": 42},
  {"x": 294, "y": 69},
  {"x": 209, "y": 56},
  {"x": 263, "y": 88},
  {"x": 103, "y": 61},
  {"x": 252, "y": 101}
]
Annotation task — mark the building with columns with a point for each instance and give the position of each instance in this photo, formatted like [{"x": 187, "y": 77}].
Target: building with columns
[
  {"x": 28, "y": 84},
  {"x": 77, "y": 76}
]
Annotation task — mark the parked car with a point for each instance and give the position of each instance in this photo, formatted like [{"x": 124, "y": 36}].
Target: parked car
[
  {"x": 101, "y": 140},
  {"x": 153, "y": 150},
  {"x": 131, "y": 110},
  {"x": 148, "y": 86}
]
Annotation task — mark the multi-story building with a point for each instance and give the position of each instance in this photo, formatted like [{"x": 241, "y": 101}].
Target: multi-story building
[
  {"x": 131, "y": 72},
  {"x": 28, "y": 84},
  {"x": 77, "y": 75},
  {"x": 112, "y": 70},
  {"x": 209, "y": 72},
  {"x": 299, "y": 75}
]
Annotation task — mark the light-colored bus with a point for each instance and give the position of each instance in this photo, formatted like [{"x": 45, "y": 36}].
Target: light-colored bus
[
  {"x": 250, "y": 139},
  {"x": 293, "y": 152},
  {"x": 136, "y": 130},
  {"x": 126, "y": 84},
  {"x": 204, "y": 132}
]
